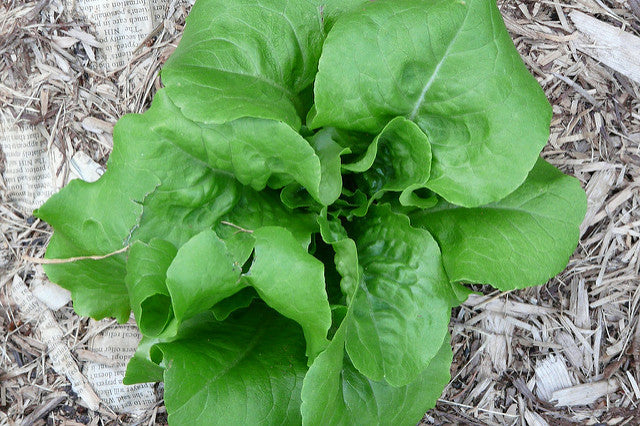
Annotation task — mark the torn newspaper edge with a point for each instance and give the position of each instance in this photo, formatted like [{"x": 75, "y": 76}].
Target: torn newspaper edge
[
  {"x": 120, "y": 26},
  {"x": 53, "y": 336},
  {"x": 27, "y": 174},
  {"x": 116, "y": 345},
  {"x": 30, "y": 167}
]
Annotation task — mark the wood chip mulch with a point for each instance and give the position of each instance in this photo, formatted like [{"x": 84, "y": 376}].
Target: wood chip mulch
[{"x": 560, "y": 354}]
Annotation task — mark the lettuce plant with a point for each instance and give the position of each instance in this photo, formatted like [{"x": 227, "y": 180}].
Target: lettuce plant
[{"x": 304, "y": 200}]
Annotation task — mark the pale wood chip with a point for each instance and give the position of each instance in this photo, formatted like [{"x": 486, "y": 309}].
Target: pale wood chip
[
  {"x": 584, "y": 394},
  {"x": 64, "y": 42},
  {"x": 570, "y": 349},
  {"x": 598, "y": 189},
  {"x": 95, "y": 125},
  {"x": 610, "y": 45},
  {"x": 498, "y": 340},
  {"x": 534, "y": 419},
  {"x": 551, "y": 375},
  {"x": 634, "y": 384},
  {"x": 87, "y": 355},
  {"x": 506, "y": 306},
  {"x": 83, "y": 37}
]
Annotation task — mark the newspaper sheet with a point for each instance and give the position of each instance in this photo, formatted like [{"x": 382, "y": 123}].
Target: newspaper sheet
[
  {"x": 53, "y": 336},
  {"x": 27, "y": 176},
  {"x": 121, "y": 26},
  {"x": 117, "y": 344}
]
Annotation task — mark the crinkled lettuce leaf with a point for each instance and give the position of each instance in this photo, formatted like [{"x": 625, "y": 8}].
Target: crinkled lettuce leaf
[
  {"x": 390, "y": 332},
  {"x": 247, "y": 369},
  {"x": 450, "y": 67},
  {"x": 336, "y": 393},
  {"x": 519, "y": 241}
]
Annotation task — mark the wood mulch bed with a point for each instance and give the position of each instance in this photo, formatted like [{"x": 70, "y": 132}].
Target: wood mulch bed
[{"x": 564, "y": 353}]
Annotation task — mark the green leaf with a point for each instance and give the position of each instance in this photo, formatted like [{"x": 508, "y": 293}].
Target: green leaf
[
  {"x": 449, "y": 66},
  {"x": 329, "y": 153},
  {"x": 520, "y": 241},
  {"x": 239, "y": 300},
  {"x": 399, "y": 159},
  {"x": 246, "y": 58},
  {"x": 346, "y": 254},
  {"x": 291, "y": 281},
  {"x": 202, "y": 274},
  {"x": 255, "y": 159},
  {"x": 146, "y": 274},
  {"x": 403, "y": 302},
  {"x": 245, "y": 370},
  {"x": 141, "y": 368},
  {"x": 336, "y": 393},
  {"x": 259, "y": 209}
]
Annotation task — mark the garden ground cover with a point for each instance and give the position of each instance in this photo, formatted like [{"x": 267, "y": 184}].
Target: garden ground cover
[{"x": 510, "y": 350}]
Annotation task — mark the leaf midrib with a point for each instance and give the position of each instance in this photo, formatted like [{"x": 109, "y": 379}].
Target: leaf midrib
[
  {"x": 290, "y": 94},
  {"x": 519, "y": 209},
  {"x": 414, "y": 112}
]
